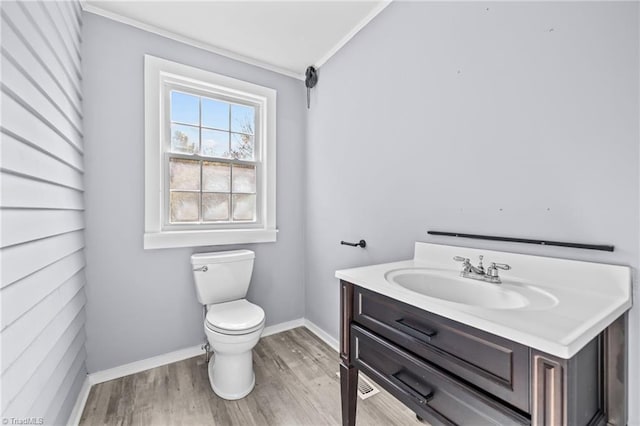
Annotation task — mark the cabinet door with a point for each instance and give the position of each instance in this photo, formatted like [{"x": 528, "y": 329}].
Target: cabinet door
[
  {"x": 431, "y": 393},
  {"x": 495, "y": 364}
]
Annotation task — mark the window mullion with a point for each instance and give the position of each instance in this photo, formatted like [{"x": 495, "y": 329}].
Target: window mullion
[
  {"x": 231, "y": 193},
  {"x": 200, "y": 210},
  {"x": 196, "y": 157},
  {"x": 201, "y": 198}
]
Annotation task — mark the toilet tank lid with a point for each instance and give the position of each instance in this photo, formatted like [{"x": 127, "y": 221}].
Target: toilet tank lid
[{"x": 221, "y": 257}]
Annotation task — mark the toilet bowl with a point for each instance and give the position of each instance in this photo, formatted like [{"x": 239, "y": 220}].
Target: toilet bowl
[
  {"x": 233, "y": 329},
  {"x": 233, "y": 325}
]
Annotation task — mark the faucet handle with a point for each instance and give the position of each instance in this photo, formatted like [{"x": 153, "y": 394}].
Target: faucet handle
[
  {"x": 466, "y": 263},
  {"x": 493, "y": 270},
  {"x": 502, "y": 266}
]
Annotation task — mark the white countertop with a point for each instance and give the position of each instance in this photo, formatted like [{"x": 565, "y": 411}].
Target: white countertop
[{"x": 590, "y": 295}]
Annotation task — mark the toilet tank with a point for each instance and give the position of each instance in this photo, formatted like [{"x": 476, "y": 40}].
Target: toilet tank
[{"x": 222, "y": 276}]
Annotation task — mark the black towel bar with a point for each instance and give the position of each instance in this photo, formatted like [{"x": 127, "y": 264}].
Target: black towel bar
[{"x": 601, "y": 247}]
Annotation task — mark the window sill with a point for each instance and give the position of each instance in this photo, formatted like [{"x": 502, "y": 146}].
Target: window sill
[{"x": 173, "y": 239}]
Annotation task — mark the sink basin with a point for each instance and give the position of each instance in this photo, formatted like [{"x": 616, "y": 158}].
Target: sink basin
[{"x": 446, "y": 285}]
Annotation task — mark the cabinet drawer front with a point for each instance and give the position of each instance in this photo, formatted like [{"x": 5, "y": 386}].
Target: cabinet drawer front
[
  {"x": 430, "y": 392},
  {"x": 498, "y": 365}
]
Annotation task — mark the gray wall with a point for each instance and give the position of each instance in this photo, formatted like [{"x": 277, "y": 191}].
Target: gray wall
[
  {"x": 42, "y": 281},
  {"x": 516, "y": 119},
  {"x": 142, "y": 303}
]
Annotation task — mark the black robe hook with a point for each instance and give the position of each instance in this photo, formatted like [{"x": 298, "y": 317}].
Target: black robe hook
[{"x": 310, "y": 80}]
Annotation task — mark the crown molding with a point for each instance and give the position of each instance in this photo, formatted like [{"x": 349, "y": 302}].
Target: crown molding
[
  {"x": 187, "y": 40},
  {"x": 355, "y": 30},
  {"x": 227, "y": 53}
]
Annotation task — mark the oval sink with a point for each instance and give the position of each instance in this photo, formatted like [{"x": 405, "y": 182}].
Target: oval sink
[{"x": 442, "y": 285}]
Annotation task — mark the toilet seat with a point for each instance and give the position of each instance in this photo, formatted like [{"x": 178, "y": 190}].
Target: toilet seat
[{"x": 235, "y": 317}]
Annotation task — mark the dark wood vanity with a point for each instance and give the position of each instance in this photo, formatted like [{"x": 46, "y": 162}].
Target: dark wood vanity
[{"x": 449, "y": 373}]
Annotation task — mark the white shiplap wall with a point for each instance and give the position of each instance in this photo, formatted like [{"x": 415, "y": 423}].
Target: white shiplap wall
[{"x": 42, "y": 211}]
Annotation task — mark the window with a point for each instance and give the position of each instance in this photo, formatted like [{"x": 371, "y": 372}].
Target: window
[
  {"x": 209, "y": 158},
  {"x": 212, "y": 161}
]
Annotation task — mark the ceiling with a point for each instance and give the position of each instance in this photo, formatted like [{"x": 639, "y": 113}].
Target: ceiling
[{"x": 284, "y": 36}]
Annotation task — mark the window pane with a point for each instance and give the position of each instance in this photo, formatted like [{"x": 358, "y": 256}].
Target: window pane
[
  {"x": 185, "y": 108},
  {"x": 241, "y": 146},
  {"x": 184, "y": 174},
  {"x": 215, "y": 143},
  {"x": 184, "y": 206},
  {"x": 215, "y": 114},
  {"x": 244, "y": 178},
  {"x": 243, "y": 119},
  {"x": 184, "y": 138},
  {"x": 215, "y": 207},
  {"x": 244, "y": 207},
  {"x": 216, "y": 177}
]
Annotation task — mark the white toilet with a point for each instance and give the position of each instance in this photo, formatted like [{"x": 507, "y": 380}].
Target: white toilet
[{"x": 233, "y": 325}]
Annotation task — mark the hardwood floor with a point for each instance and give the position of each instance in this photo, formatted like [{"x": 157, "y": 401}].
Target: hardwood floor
[{"x": 296, "y": 384}]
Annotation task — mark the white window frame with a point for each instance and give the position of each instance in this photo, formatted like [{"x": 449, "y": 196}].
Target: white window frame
[{"x": 161, "y": 76}]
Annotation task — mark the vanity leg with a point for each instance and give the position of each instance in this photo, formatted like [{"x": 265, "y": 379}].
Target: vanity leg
[
  {"x": 548, "y": 390},
  {"x": 348, "y": 373},
  {"x": 349, "y": 392},
  {"x": 616, "y": 371},
  {"x": 567, "y": 392}
]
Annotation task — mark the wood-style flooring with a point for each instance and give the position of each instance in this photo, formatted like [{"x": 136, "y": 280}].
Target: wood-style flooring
[{"x": 296, "y": 384}]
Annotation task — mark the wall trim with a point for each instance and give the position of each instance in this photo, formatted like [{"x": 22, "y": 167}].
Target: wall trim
[
  {"x": 81, "y": 401},
  {"x": 323, "y": 335},
  {"x": 96, "y": 10},
  {"x": 91, "y": 8},
  {"x": 355, "y": 30},
  {"x": 175, "y": 356},
  {"x": 179, "y": 355},
  {"x": 144, "y": 364},
  {"x": 283, "y": 326}
]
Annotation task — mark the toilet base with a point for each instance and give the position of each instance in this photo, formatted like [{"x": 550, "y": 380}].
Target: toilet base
[
  {"x": 232, "y": 377},
  {"x": 231, "y": 368}
]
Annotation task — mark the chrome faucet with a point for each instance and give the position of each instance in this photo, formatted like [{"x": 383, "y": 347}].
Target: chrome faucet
[
  {"x": 467, "y": 267},
  {"x": 478, "y": 272}
]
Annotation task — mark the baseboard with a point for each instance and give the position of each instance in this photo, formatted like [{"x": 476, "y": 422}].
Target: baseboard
[
  {"x": 144, "y": 364},
  {"x": 81, "y": 401},
  {"x": 323, "y": 335},
  {"x": 179, "y": 355},
  {"x": 283, "y": 326}
]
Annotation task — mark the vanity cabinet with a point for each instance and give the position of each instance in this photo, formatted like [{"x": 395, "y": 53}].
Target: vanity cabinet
[{"x": 449, "y": 373}]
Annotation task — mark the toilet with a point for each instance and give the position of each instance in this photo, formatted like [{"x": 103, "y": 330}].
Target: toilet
[{"x": 233, "y": 325}]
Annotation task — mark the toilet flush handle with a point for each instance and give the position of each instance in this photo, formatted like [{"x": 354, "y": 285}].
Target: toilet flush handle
[{"x": 202, "y": 268}]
